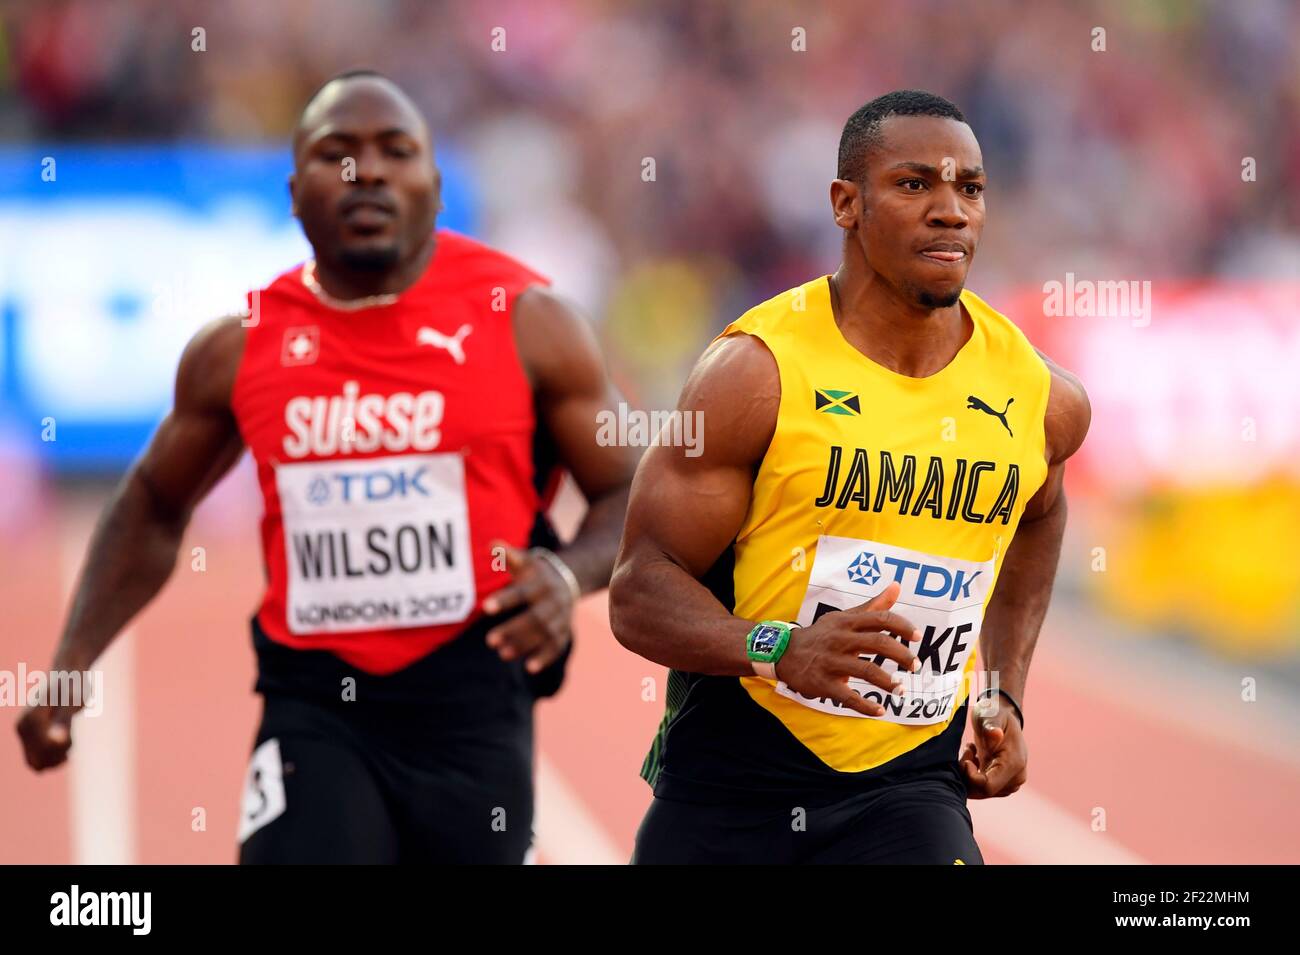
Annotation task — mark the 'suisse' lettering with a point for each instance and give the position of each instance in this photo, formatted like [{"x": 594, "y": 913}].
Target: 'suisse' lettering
[{"x": 352, "y": 422}]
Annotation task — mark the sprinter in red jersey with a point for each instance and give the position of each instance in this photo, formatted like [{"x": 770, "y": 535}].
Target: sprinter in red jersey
[{"x": 407, "y": 396}]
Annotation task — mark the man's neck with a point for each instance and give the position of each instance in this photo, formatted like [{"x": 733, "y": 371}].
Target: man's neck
[
  {"x": 905, "y": 337},
  {"x": 344, "y": 284}
]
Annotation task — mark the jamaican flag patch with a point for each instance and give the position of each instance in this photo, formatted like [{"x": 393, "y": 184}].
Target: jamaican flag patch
[{"x": 835, "y": 401}]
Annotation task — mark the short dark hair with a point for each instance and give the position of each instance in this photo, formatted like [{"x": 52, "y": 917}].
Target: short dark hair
[{"x": 862, "y": 131}]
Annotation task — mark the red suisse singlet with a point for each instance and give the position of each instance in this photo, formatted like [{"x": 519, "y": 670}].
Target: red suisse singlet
[{"x": 393, "y": 443}]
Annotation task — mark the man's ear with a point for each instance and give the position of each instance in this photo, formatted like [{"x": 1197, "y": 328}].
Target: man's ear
[
  {"x": 845, "y": 195},
  {"x": 293, "y": 202}
]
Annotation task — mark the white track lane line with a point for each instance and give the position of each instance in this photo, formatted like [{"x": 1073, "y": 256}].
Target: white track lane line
[
  {"x": 1034, "y": 830},
  {"x": 567, "y": 831},
  {"x": 102, "y": 763}
]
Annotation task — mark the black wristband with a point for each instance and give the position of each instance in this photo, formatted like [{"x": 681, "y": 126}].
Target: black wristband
[{"x": 1020, "y": 715}]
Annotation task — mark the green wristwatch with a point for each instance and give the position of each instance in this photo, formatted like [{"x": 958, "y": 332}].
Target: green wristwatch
[{"x": 766, "y": 643}]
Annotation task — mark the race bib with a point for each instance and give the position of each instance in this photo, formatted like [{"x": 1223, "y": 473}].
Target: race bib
[
  {"x": 942, "y": 597},
  {"x": 378, "y": 543}
]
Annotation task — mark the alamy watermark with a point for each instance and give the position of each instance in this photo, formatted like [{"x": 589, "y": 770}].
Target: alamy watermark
[
  {"x": 1090, "y": 299},
  {"x": 629, "y": 427},
  {"x": 130, "y": 909},
  {"x": 80, "y": 689}
]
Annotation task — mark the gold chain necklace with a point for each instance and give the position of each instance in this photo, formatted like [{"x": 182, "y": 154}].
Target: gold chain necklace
[{"x": 347, "y": 305}]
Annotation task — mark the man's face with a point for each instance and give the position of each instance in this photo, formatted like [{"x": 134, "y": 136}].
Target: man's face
[
  {"x": 919, "y": 211},
  {"x": 365, "y": 187}
]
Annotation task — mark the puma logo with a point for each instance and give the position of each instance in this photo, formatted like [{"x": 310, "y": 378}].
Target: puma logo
[
  {"x": 977, "y": 405},
  {"x": 452, "y": 344}
]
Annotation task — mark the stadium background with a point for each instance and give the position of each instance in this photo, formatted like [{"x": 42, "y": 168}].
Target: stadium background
[{"x": 1163, "y": 699}]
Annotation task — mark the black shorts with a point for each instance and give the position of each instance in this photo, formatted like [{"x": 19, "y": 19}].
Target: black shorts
[
  {"x": 918, "y": 819},
  {"x": 336, "y": 782}
]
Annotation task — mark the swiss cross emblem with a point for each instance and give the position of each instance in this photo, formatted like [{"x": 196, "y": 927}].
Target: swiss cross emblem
[{"x": 301, "y": 345}]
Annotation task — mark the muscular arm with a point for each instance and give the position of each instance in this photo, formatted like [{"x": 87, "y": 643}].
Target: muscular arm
[
  {"x": 135, "y": 544},
  {"x": 685, "y": 511},
  {"x": 571, "y": 385},
  {"x": 1016, "y": 610}
]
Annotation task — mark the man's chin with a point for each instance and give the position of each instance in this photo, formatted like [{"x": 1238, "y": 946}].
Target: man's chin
[
  {"x": 369, "y": 258},
  {"x": 939, "y": 298}
]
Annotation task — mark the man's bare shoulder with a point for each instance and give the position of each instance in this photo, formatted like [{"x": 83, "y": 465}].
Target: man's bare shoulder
[
  {"x": 205, "y": 377},
  {"x": 733, "y": 363},
  {"x": 1069, "y": 412},
  {"x": 736, "y": 388}
]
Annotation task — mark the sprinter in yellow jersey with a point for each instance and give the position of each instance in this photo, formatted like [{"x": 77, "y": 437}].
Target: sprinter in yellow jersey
[{"x": 879, "y": 492}]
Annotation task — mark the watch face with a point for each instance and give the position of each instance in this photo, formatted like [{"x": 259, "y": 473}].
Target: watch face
[{"x": 765, "y": 639}]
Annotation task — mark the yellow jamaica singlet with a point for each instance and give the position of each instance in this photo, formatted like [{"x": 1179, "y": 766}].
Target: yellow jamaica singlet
[{"x": 870, "y": 477}]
